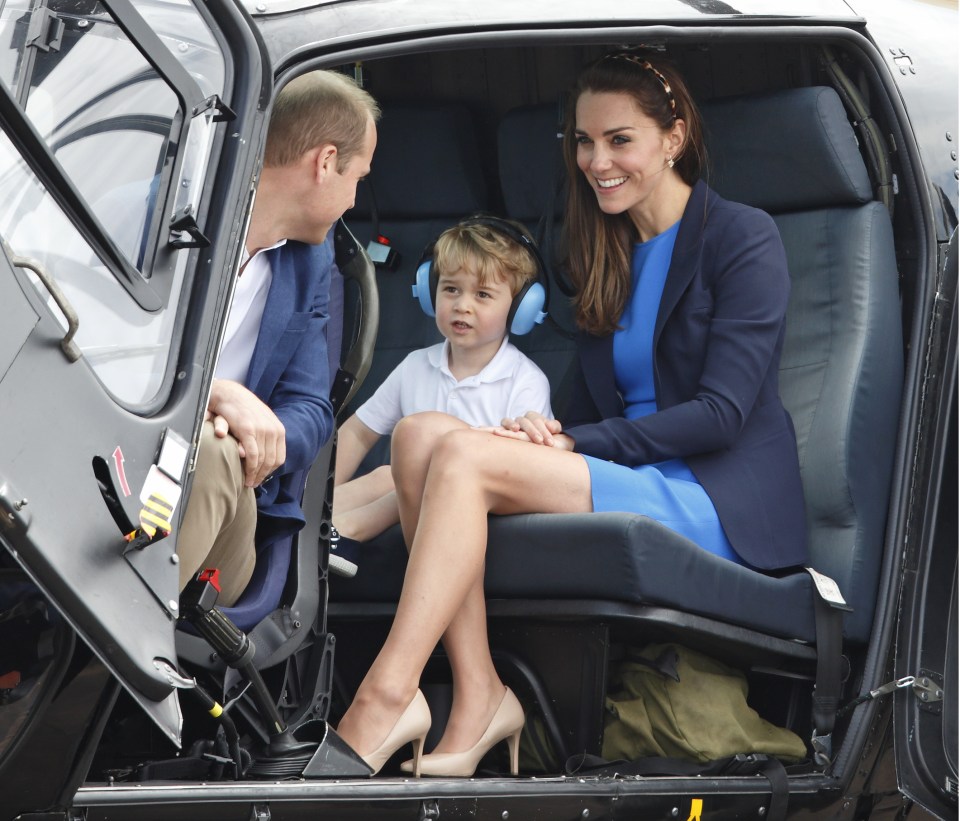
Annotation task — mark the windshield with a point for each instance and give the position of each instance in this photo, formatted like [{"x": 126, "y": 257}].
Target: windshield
[{"x": 112, "y": 122}]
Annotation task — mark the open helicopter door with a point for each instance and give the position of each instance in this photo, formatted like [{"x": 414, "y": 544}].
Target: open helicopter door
[
  {"x": 128, "y": 150},
  {"x": 926, "y": 675}
]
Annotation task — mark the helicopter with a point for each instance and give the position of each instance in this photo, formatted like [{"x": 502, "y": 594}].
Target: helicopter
[{"x": 133, "y": 137}]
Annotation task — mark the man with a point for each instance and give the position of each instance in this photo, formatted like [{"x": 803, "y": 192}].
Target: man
[{"x": 269, "y": 411}]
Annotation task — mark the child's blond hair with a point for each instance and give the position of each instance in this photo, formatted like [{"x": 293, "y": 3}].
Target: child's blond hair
[{"x": 486, "y": 252}]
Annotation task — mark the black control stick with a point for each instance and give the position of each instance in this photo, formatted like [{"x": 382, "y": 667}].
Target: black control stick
[{"x": 198, "y": 606}]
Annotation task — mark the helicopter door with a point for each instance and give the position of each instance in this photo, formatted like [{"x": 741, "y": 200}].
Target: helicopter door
[{"x": 121, "y": 123}]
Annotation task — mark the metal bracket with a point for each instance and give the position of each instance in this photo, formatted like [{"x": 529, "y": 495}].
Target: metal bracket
[
  {"x": 429, "y": 810},
  {"x": 260, "y": 812},
  {"x": 13, "y": 517},
  {"x": 928, "y": 688},
  {"x": 174, "y": 678},
  {"x": 184, "y": 230},
  {"x": 45, "y": 31}
]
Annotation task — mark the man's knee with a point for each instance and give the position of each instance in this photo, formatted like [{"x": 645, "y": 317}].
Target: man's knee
[{"x": 218, "y": 462}]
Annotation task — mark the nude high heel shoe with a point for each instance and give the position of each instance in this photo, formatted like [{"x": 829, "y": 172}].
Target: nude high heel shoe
[
  {"x": 412, "y": 726},
  {"x": 507, "y": 723}
]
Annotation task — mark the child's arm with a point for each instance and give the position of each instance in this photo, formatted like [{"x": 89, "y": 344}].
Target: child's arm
[{"x": 353, "y": 443}]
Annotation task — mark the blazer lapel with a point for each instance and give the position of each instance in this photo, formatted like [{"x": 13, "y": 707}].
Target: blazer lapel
[
  {"x": 276, "y": 313},
  {"x": 686, "y": 256}
]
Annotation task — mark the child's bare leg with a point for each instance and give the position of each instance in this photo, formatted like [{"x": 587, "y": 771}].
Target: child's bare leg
[
  {"x": 370, "y": 520},
  {"x": 363, "y": 490}
]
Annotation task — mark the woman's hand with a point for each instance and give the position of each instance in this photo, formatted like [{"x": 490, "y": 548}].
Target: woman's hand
[{"x": 536, "y": 428}]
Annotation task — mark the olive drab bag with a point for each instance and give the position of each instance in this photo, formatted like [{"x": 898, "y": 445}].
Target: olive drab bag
[{"x": 669, "y": 701}]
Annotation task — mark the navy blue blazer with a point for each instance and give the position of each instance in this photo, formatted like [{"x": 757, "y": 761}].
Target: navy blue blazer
[
  {"x": 717, "y": 343},
  {"x": 289, "y": 371}
]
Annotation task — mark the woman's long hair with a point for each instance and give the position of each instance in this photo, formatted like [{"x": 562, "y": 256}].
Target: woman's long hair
[{"x": 597, "y": 245}]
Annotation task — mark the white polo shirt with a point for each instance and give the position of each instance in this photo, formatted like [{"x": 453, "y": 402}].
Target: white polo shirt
[{"x": 510, "y": 385}]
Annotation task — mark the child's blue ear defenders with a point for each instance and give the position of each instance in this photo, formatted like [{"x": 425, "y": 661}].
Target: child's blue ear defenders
[{"x": 528, "y": 307}]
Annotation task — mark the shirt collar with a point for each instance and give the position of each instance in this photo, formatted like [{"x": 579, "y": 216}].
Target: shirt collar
[
  {"x": 247, "y": 256},
  {"x": 500, "y": 367}
]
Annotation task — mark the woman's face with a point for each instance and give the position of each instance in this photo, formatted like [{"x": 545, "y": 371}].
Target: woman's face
[{"x": 621, "y": 151}]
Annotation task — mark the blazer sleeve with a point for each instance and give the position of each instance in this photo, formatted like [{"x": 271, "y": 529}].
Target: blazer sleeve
[{"x": 746, "y": 285}]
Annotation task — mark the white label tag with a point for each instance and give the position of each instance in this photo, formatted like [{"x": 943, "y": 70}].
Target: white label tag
[
  {"x": 827, "y": 588},
  {"x": 173, "y": 455}
]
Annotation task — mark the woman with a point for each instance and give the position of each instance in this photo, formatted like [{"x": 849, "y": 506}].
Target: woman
[{"x": 681, "y": 298}]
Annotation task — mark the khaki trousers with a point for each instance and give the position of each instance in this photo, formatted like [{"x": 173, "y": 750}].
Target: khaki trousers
[{"x": 220, "y": 521}]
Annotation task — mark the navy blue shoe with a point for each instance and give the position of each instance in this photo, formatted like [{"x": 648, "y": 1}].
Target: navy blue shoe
[{"x": 344, "y": 554}]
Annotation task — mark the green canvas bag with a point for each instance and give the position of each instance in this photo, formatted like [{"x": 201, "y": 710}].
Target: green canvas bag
[{"x": 669, "y": 701}]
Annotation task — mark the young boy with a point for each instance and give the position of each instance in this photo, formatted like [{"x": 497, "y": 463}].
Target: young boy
[{"x": 475, "y": 375}]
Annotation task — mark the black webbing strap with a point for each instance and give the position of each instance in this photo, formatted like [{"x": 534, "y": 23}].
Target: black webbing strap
[
  {"x": 826, "y": 694},
  {"x": 738, "y": 765}
]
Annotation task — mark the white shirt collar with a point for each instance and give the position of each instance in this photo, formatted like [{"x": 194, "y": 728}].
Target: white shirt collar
[{"x": 500, "y": 367}]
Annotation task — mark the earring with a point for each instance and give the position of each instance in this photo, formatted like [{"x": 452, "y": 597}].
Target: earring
[{"x": 669, "y": 162}]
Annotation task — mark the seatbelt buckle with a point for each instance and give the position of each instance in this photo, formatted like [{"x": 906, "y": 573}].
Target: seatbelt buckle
[{"x": 201, "y": 593}]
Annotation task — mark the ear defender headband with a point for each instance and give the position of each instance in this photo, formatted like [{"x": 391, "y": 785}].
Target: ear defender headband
[{"x": 529, "y": 305}]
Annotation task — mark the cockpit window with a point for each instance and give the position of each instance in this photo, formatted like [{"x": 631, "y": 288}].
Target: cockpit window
[{"x": 114, "y": 124}]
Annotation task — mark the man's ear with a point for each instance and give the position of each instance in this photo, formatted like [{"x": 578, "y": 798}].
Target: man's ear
[{"x": 325, "y": 160}]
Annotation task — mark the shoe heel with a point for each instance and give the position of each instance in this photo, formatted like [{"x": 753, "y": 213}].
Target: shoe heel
[
  {"x": 513, "y": 744},
  {"x": 418, "y": 754}
]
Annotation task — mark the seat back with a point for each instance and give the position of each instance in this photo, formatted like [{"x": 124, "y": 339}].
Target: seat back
[
  {"x": 531, "y": 181},
  {"x": 794, "y": 154}
]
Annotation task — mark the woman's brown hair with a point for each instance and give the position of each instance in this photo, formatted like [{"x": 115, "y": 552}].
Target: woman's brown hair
[{"x": 597, "y": 245}]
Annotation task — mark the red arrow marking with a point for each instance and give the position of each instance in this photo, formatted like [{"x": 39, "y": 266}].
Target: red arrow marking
[{"x": 118, "y": 461}]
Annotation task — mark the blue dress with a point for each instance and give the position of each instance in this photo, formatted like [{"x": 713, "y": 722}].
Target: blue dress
[{"x": 665, "y": 491}]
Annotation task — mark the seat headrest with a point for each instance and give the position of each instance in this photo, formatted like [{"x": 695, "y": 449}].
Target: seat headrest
[
  {"x": 791, "y": 150},
  {"x": 530, "y": 161},
  {"x": 426, "y": 165}
]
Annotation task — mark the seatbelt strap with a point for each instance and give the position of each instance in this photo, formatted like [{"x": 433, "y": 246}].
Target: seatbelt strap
[{"x": 829, "y": 607}]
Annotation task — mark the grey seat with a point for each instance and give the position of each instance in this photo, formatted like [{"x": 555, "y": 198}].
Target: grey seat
[
  {"x": 531, "y": 181},
  {"x": 794, "y": 154}
]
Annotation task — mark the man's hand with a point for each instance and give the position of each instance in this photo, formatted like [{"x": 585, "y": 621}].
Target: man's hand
[{"x": 259, "y": 433}]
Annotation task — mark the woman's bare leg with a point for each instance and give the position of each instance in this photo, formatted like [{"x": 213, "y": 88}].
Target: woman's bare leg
[
  {"x": 470, "y": 473},
  {"x": 411, "y": 449}
]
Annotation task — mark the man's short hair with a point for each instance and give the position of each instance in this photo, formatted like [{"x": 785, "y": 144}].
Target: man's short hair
[
  {"x": 487, "y": 253},
  {"x": 318, "y": 108}
]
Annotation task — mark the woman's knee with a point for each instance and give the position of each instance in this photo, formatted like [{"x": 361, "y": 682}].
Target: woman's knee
[
  {"x": 416, "y": 436},
  {"x": 461, "y": 452}
]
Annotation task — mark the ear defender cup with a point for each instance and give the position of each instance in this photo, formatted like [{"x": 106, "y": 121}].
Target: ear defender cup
[
  {"x": 529, "y": 305},
  {"x": 425, "y": 288}
]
